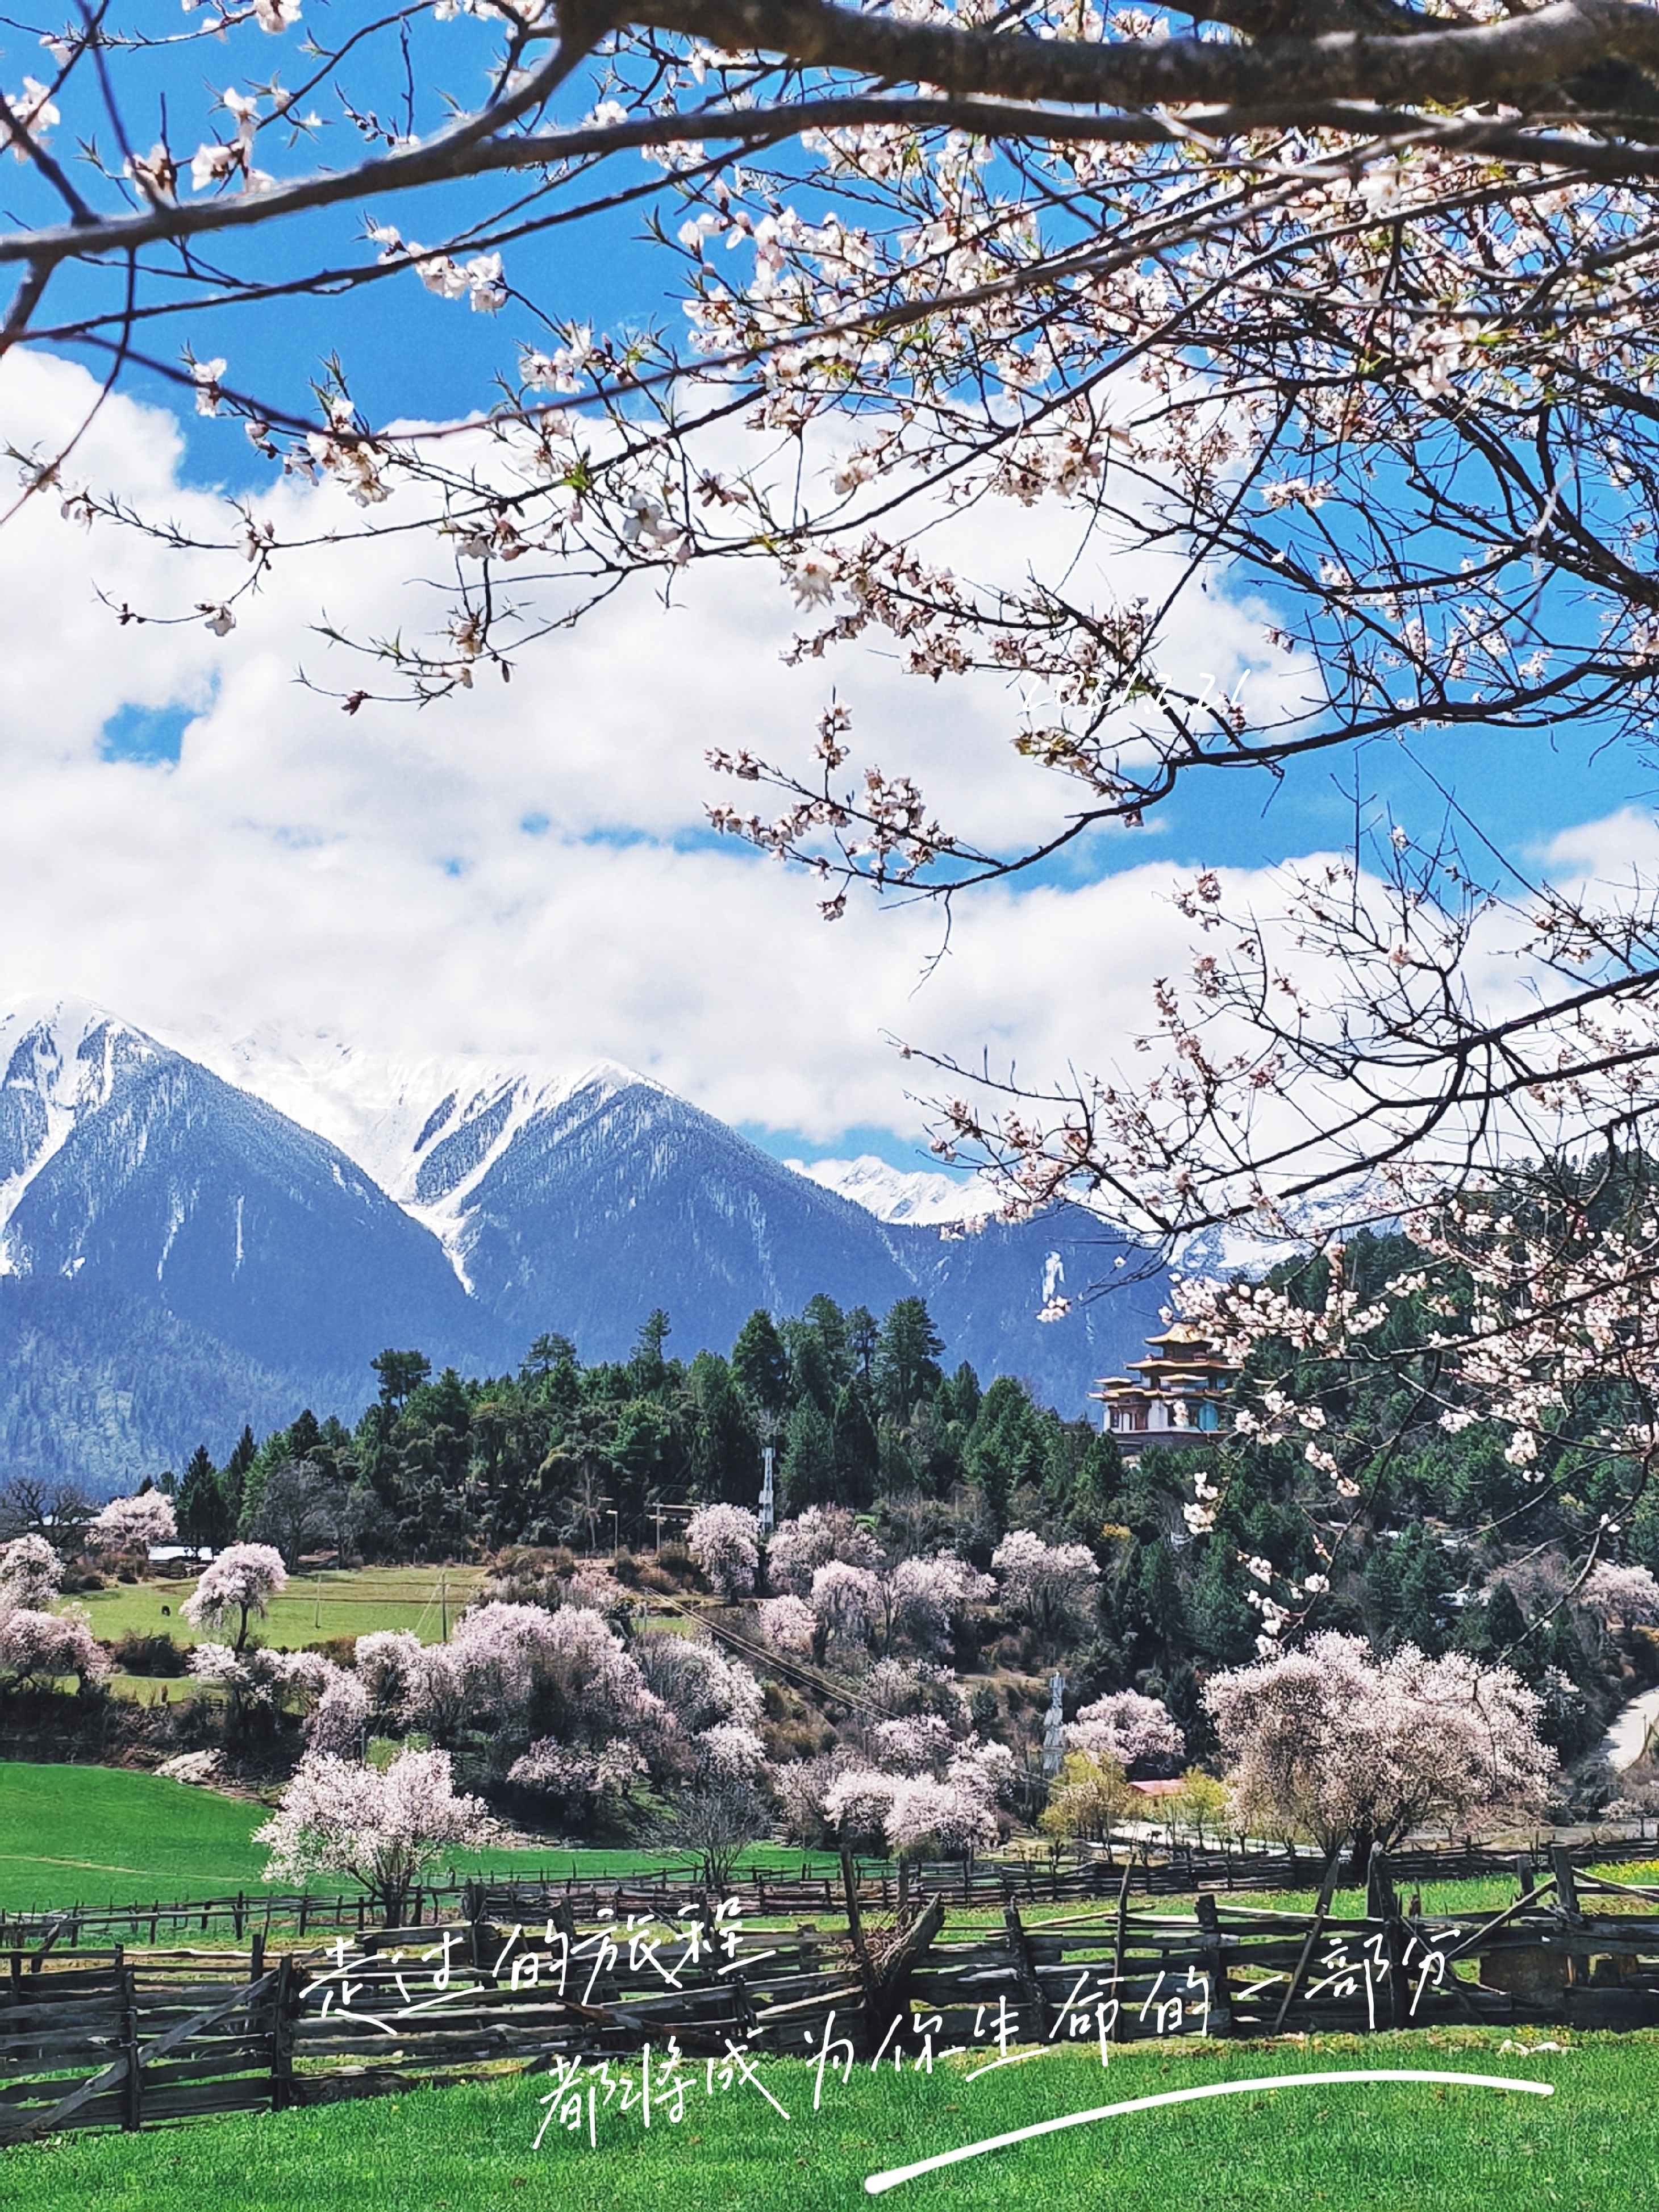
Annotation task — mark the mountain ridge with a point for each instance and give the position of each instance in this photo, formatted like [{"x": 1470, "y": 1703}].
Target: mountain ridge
[{"x": 158, "y": 1212}]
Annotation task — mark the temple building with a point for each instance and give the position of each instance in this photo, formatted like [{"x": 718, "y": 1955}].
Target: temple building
[{"x": 1179, "y": 1392}]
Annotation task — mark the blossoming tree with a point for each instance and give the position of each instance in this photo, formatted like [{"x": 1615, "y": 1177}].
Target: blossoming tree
[
  {"x": 236, "y": 1586},
  {"x": 128, "y": 1526},
  {"x": 1325, "y": 1741},
  {"x": 1346, "y": 308},
  {"x": 37, "y": 1645},
  {"x": 380, "y": 1827},
  {"x": 725, "y": 1542}
]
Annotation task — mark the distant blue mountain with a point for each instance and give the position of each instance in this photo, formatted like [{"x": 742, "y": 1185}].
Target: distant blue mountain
[{"x": 177, "y": 1257}]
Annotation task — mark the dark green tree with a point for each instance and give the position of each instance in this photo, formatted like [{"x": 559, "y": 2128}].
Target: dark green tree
[
  {"x": 204, "y": 1516},
  {"x": 906, "y": 1367},
  {"x": 760, "y": 1365},
  {"x": 809, "y": 1461},
  {"x": 857, "y": 1448},
  {"x": 400, "y": 1372}
]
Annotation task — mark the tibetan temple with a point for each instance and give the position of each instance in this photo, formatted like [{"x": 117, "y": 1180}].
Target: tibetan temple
[{"x": 1181, "y": 1386}]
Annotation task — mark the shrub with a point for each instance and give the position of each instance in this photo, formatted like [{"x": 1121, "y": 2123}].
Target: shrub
[{"x": 136, "y": 1654}]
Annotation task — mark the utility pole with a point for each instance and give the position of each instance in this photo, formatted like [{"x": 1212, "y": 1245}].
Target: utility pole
[
  {"x": 1054, "y": 1730},
  {"x": 768, "y": 1514}
]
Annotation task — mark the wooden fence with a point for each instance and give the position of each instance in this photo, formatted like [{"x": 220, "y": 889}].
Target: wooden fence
[
  {"x": 121, "y": 2038},
  {"x": 1156, "y": 1871}
]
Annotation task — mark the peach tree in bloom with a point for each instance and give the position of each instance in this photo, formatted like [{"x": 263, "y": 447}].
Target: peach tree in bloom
[
  {"x": 128, "y": 1526},
  {"x": 380, "y": 1827},
  {"x": 235, "y": 1587},
  {"x": 724, "y": 1541},
  {"x": 39, "y": 1646},
  {"x": 1328, "y": 1742}
]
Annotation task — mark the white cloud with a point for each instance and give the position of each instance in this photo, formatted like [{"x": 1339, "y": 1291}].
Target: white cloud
[{"x": 371, "y": 876}]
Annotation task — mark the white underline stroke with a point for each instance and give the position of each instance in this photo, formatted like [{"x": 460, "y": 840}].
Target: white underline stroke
[{"x": 876, "y": 2183}]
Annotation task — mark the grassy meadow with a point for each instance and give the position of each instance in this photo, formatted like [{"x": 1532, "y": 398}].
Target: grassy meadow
[
  {"x": 98, "y": 1835},
  {"x": 350, "y": 1601},
  {"x": 1592, "y": 2147}
]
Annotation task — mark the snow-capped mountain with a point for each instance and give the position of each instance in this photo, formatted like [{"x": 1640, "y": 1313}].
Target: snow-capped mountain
[
  {"x": 183, "y": 1252},
  {"x": 429, "y": 1131},
  {"x": 149, "y": 1204},
  {"x": 892, "y": 1193}
]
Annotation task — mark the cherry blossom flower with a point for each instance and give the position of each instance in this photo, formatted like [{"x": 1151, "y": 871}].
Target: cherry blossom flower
[
  {"x": 725, "y": 1542},
  {"x": 381, "y": 1829},
  {"x": 240, "y": 1582}
]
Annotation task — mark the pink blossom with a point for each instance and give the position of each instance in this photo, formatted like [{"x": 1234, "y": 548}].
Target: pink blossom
[
  {"x": 1127, "y": 1729},
  {"x": 856, "y": 1803},
  {"x": 240, "y": 1581},
  {"x": 787, "y": 1623},
  {"x": 129, "y": 1525},
  {"x": 797, "y": 1549},
  {"x": 31, "y": 1574},
  {"x": 1326, "y": 1743},
  {"x": 930, "y": 1594},
  {"x": 567, "y": 1772},
  {"x": 1052, "y": 1585},
  {"x": 379, "y": 1828},
  {"x": 41, "y": 1647},
  {"x": 696, "y": 1685},
  {"x": 728, "y": 1748},
  {"x": 848, "y": 1600},
  {"x": 725, "y": 1542},
  {"x": 1629, "y": 1595},
  {"x": 339, "y": 1721},
  {"x": 916, "y": 1744},
  {"x": 949, "y": 1818},
  {"x": 387, "y": 1661}
]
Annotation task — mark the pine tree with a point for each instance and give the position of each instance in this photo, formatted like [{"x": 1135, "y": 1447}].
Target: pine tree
[
  {"x": 760, "y": 1365},
  {"x": 907, "y": 1359},
  {"x": 202, "y": 1516},
  {"x": 1424, "y": 1584},
  {"x": 809, "y": 1465},
  {"x": 1504, "y": 1627},
  {"x": 857, "y": 1449}
]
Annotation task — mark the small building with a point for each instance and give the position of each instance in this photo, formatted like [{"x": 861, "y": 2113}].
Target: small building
[{"x": 1180, "y": 1391}]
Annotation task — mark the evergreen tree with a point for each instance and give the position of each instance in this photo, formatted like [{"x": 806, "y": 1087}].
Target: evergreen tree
[
  {"x": 1425, "y": 1584},
  {"x": 809, "y": 1463},
  {"x": 725, "y": 1451},
  {"x": 863, "y": 1334},
  {"x": 1504, "y": 1627},
  {"x": 957, "y": 1397},
  {"x": 906, "y": 1366},
  {"x": 857, "y": 1448},
  {"x": 304, "y": 1437},
  {"x": 545, "y": 1354},
  {"x": 647, "y": 1368},
  {"x": 204, "y": 1518},
  {"x": 400, "y": 1372},
  {"x": 760, "y": 1365},
  {"x": 1223, "y": 1628}
]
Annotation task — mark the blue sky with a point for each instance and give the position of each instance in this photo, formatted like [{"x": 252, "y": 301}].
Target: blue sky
[{"x": 196, "y": 842}]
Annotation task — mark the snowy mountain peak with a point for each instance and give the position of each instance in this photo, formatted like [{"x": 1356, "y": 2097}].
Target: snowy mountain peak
[
  {"x": 428, "y": 1131},
  {"x": 61, "y": 1059},
  {"x": 917, "y": 1197}
]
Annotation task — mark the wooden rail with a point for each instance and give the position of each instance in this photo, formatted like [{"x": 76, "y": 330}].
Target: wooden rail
[
  {"x": 1155, "y": 1869},
  {"x": 116, "y": 2037}
]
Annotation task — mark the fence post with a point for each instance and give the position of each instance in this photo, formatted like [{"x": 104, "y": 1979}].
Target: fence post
[
  {"x": 1215, "y": 1965},
  {"x": 282, "y": 2008},
  {"x": 132, "y": 2097},
  {"x": 1031, "y": 1987}
]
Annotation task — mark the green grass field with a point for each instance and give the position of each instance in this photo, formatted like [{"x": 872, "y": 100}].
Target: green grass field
[
  {"x": 351, "y": 1602},
  {"x": 1592, "y": 2147},
  {"x": 97, "y": 1835}
]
